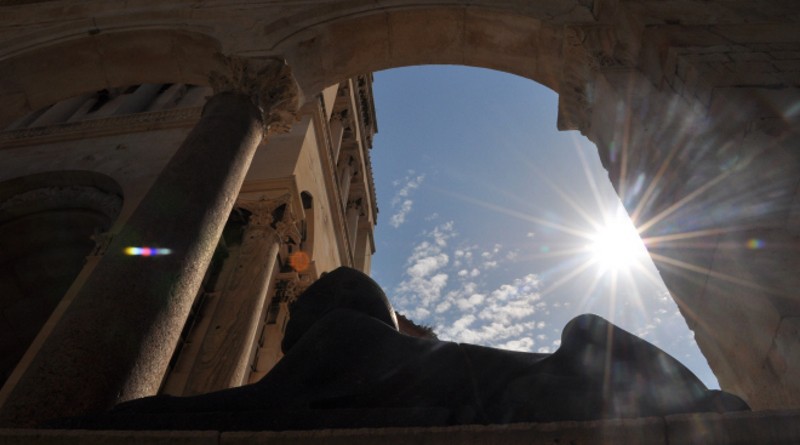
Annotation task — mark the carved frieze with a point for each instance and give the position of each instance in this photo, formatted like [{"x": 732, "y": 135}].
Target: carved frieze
[{"x": 130, "y": 123}]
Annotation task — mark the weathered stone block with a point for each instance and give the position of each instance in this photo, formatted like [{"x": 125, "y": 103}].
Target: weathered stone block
[
  {"x": 648, "y": 431},
  {"x": 763, "y": 428},
  {"x": 787, "y": 65},
  {"x": 428, "y": 34},
  {"x": 748, "y": 56},
  {"x": 785, "y": 55},
  {"x": 58, "y": 437}
]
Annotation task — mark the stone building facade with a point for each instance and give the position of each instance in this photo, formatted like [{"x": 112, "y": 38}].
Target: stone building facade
[
  {"x": 692, "y": 105},
  {"x": 75, "y": 171}
]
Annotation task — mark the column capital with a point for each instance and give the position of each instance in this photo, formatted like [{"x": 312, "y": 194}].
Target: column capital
[
  {"x": 269, "y": 83},
  {"x": 290, "y": 285},
  {"x": 263, "y": 216},
  {"x": 355, "y": 203}
]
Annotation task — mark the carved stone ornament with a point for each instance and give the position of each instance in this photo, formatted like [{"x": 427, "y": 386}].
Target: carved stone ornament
[
  {"x": 355, "y": 204},
  {"x": 287, "y": 229},
  {"x": 262, "y": 211},
  {"x": 288, "y": 290},
  {"x": 269, "y": 83},
  {"x": 293, "y": 287}
]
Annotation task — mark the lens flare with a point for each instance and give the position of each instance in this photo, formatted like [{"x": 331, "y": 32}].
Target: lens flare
[
  {"x": 299, "y": 261},
  {"x": 755, "y": 243},
  {"x": 146, "y": 251}
]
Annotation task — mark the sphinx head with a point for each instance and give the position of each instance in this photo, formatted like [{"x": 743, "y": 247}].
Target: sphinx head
[{"x": 344, "y": 288}]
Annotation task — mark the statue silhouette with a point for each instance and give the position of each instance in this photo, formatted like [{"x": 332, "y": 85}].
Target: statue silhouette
[{"x": 347, "y": 366}]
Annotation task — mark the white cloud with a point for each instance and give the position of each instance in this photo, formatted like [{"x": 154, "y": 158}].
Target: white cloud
[
  {"x": 524, "y": 344},
  {"x": 463, "y": 323},
  {"x": 424, "y": 279},
  {"x": 472, "y": 301},
  {"x": 425, "y": 266},
  {"x": 399, "y": 217},
  {"x": 401, "y": 202},
  {"x": 443, "y": 306},
  {"x": 446, "y": 285}
]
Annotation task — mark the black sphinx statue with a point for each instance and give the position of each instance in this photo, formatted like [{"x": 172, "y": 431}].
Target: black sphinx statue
[{"x": 347, "y": 366}]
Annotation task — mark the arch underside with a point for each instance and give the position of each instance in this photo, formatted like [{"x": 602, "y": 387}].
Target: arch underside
[
  {"x": 670, "y": 93},
  {"x": 323, "y": 52}
]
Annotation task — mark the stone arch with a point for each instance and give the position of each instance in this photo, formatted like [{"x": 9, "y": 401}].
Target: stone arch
[
  {"x": 338, "y": 44},
  {"x": 619, "y": 65},
  {"x": 327, "y": 52},
  {"x": 49, "y": 224}
]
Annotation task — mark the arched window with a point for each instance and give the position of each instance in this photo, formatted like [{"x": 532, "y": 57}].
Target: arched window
[{"x": 49, "y": 224}]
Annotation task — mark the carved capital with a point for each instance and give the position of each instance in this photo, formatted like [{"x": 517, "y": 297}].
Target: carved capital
[
  {"x": 288, "y": 231},
  {"x": 260, "y": 211},
  {"x": 288, "y": 288},
  {"x": 268, "y": 82},
  {"x": 356, "y": 204},
  {"x": 266, "y": 214},
  {"x": 342, "y": 116}
]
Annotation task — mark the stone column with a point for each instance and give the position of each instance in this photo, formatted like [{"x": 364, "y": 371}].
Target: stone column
[
  {"x": 337, "y": 134},
  {"x": 353, "y": 216},
  {"x": 287, "y": 289},
  {"x": 347, "y": 172},
  {"x": 226, "y": 354},
  {"x": 115, "y": 340}
]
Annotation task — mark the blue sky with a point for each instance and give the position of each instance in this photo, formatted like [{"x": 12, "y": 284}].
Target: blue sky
[{"x": 488, "y": 217}]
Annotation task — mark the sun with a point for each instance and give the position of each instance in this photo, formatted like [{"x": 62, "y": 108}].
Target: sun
[{"x": 616, "y": 246}]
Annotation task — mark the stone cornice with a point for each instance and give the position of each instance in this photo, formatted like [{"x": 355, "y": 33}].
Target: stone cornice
[{"x": 131, "y": 123}]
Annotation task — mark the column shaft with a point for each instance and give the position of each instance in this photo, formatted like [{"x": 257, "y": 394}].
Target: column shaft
[
  {"x": 224, "y": 358},
  {"x": 115, "y": 340}
]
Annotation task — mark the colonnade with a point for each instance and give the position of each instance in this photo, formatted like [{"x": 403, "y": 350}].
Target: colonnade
[{"x": 115, "y": 340}]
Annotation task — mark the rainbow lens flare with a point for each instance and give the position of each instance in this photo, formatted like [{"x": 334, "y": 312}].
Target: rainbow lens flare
[
  {"x": 147, "y": 251},
  {"x": 755, "y": 243}
]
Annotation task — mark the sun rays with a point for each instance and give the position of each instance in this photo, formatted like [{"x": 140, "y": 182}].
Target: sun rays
[
  {"x": 604, "y": 253},
  {"x": 697, "y": 208},
  {"x": 616, "y": 245}
]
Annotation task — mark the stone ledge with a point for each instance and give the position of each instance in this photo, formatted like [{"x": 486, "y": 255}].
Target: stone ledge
[
  {"x": 761, "y": 427},
  {"x": 82, "y": 437}
]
